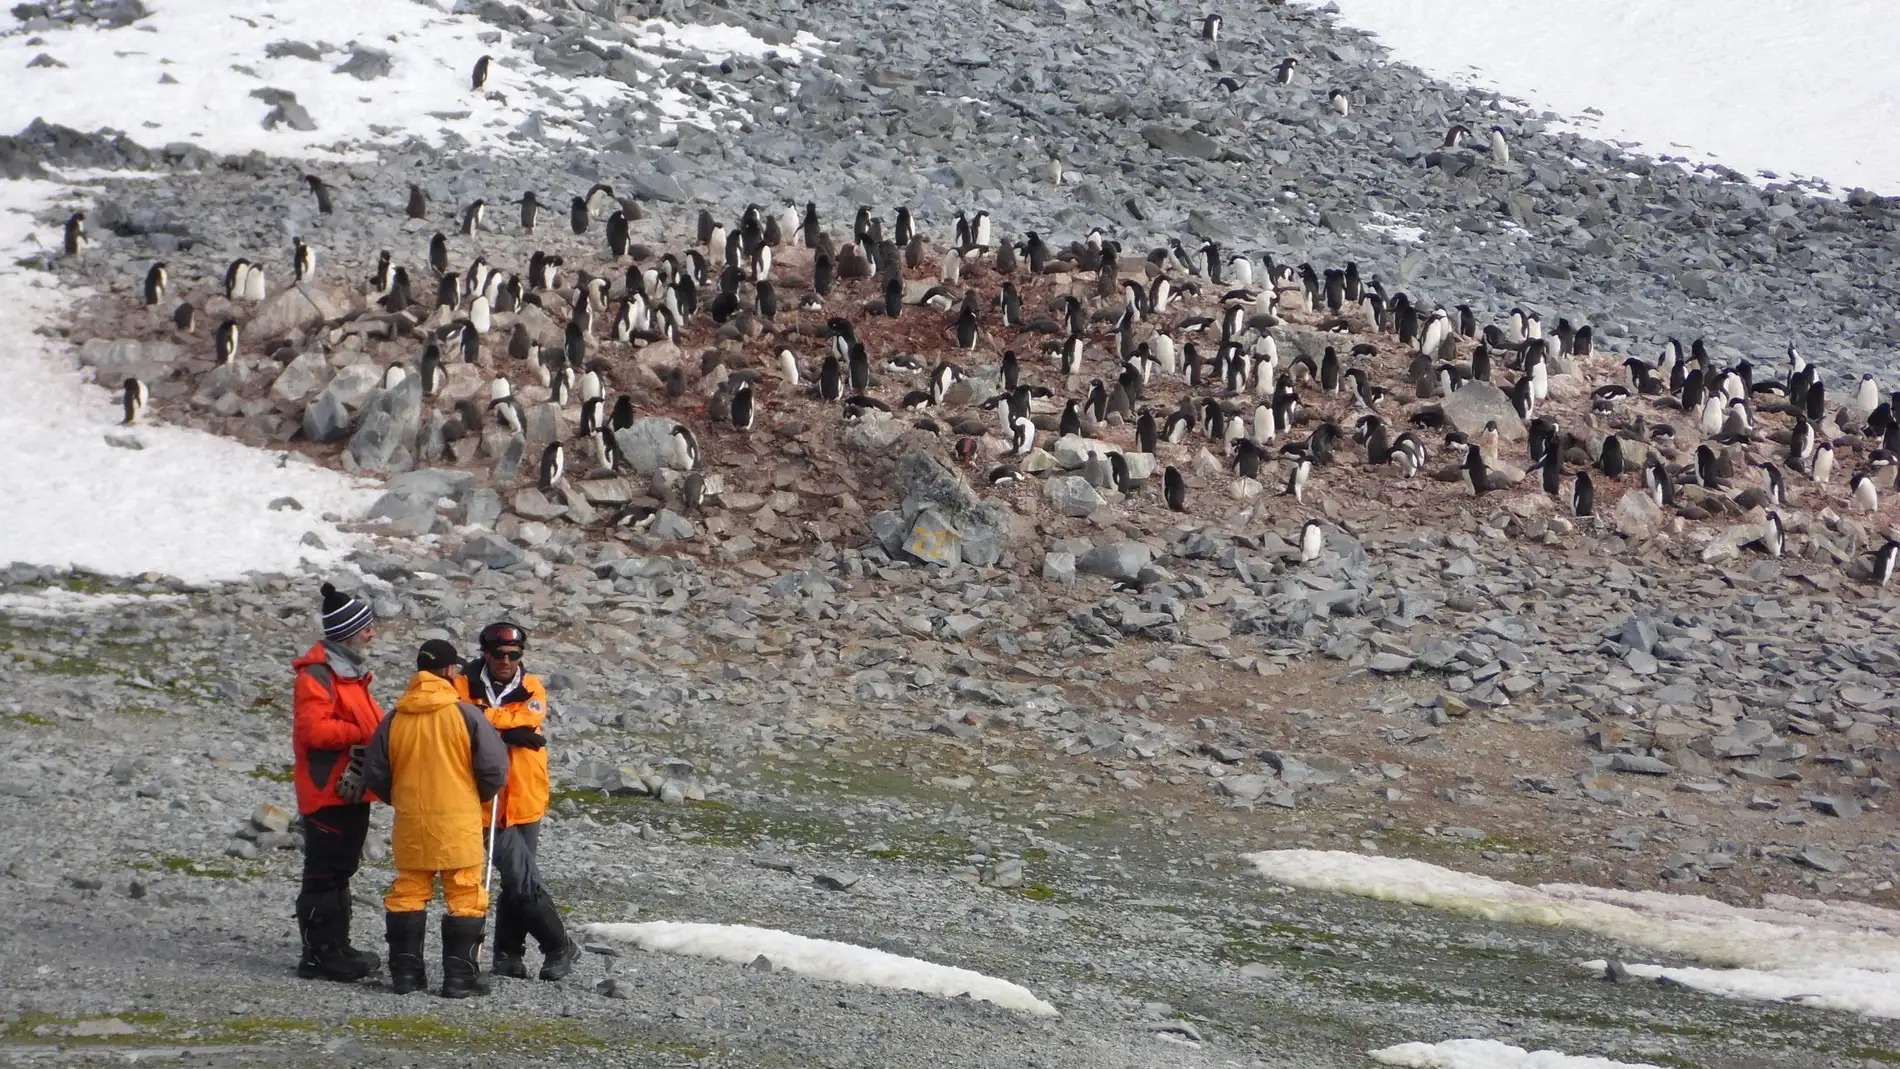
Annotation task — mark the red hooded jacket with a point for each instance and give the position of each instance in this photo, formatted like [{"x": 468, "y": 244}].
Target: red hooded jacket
[{"x": 331, "y": 713}]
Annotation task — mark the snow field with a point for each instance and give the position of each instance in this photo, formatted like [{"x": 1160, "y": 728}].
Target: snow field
[
  {"x": 1779, "y": 85},
  {"x": 188, "y": 504}
]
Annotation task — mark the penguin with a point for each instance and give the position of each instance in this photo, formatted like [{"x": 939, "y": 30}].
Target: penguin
[
  {"x": 1455, "y": 137},
  {"x": 1552, "y": 468},
  {"x": 553, "y": 465},
  {"x": 685, "y": 448},
  {"x": 472, "y": 216},
  {"x": 1772, "y": 485},
  {"x": 530, "y": 209},
  {"x": 1656, "y": 480},
  {"x": 1823, "y": 465},
  {"x": 1283, "y": 71},
  {"x": 577, "y": 218},
  {"x": 1210, "y": 27},
  {"x": 480, "y": 77},
  {"x": 185, "y": 317},
  {"x": 1174, "y": 490},
  {"x": 743, "y": 414},
  {"x": 1500, "y": 151},
  {"x": 1297, "y": 479},
  {"x": 1705, "y": 468},
  {"x": 622, "y": 416},
  {"x": 156, "y": 278},
  {"x": 133, "y": 398},
  {"x": 75, "y": 233},
  {"x": 1610, "y": 461},
  {"x": 1885, "y": 558},
  {"x": 418, "y": 207},
  {"x": 788, "y": 367},
  {"x": 1337, "y": 99},
  {"x": 303, "y": 260},
  {"x": 1775, "y": 541},
  {"x": 430, "y": 368},
  {"x": 1312, "y": 541},
  {"x": 439, "y": 253},
  {"x": 1582, "y": 496},
  {"x": 1022, "y": 435},
  {"x": 1866, "y": 494},
  {"x": 1867, "y": 397},
  {"x": 226, "y": 341},
  {"x": 321, "y": 192},
  {"x": 501, "y": 401},
  {"x": 1476, "y": 477}
]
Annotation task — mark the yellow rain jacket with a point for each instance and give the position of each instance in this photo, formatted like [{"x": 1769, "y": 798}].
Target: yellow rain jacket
[{"x": 438, "y": 761}]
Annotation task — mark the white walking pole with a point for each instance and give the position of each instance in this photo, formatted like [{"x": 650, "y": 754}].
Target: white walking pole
[{"x": 494, "y": 819}]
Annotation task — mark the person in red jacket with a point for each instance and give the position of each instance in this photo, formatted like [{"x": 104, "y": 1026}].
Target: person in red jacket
[{"x": 333, "y": 719}]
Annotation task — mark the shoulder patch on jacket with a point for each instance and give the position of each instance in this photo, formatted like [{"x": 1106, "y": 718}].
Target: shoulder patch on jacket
[{"x": 535, "y": 704}]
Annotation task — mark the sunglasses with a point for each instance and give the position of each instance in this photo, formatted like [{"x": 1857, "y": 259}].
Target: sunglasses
[{"x": 504, "y": 655}]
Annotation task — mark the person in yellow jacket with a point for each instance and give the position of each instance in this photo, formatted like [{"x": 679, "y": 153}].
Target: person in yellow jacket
[
  {"x": 517, "y": 705},
  {"x": 438, "y": 762}
]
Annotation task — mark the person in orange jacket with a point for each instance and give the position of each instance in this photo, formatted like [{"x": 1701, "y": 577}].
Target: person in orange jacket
[
  {"x": 517, "y": 705},
  {"x": 438, "y": 762},
  {"x": 333, "y": 716}
]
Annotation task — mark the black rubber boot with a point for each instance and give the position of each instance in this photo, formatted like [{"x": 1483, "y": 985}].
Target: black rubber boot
[
  {"x": 323, "y": 924},
  {"x": 461, "y": 957},
  {"x": 558, "y": 954},
  {"x": 405, "y": 932},
  {"x": 511, "y": 940},
  {"x": 347, "y": 950}
]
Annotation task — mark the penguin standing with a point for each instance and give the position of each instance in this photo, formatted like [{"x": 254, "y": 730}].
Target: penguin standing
[
  {"x": 418, "y": 206},
  {"x": 134, "y": 399},
  {"x": 1022, "y": 431},
  {"x": 1312, "y": 541},
  {"x": 530, "y": 208},
  {"x": 75, "y": 232},
  {"x": 1866, "y": 494},
  {"x": 553, "y": 465},
  {"x": 1823, "y": 466},
  {"x": 1500, "y": 151},
  {"x": 1476, "y": 476},
  {"x": 685, "y": 448},
  {"x": 226, "y": 341},
  {"x": 744, "y": 415},
  {"x": 1583, "y": 496},
  {"x": 480, "y": 77},
  {"x": 321, "y": 192},
  {"x": 1296, "y": 480},
  {"x": 155, "y": 281},
  {"x": 1174, "y": 489},
  {"x": 1885, "y": 558},
  {"x": 1283, "y": 72},
  {"x": 303, "y": 260},
  {"x": 1210, "y": 27}
]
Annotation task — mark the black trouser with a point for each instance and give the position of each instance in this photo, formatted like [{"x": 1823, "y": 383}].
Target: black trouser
[{"x": 333, "y": 847}]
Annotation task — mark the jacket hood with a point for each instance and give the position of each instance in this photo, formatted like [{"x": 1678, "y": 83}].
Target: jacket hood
[{"x": 426, "y": 693}]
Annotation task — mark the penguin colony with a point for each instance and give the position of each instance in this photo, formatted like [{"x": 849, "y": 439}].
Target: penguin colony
[{"x": 1180, "y": 367}]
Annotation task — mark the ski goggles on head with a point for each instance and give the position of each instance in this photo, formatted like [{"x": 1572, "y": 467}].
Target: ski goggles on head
[{"x": 497, "y": 635}]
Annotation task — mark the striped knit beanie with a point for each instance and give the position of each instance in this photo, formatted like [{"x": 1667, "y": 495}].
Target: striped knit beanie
[{"x": 343, "y": 616}]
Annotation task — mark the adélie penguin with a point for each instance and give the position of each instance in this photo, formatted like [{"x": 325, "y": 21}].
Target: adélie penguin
[
  {"x": 1174, "y": 490},
  {"x": 1312, "y": 541},
  {"x": 133, "y": 400}
]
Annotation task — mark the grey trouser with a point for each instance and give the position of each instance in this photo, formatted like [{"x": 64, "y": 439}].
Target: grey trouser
[{"x": 515, "y": 866}]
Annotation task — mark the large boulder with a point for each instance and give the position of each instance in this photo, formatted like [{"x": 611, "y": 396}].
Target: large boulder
[
  {"x": 300, "y": 376},
  {"x": 1072, "y": 495},
  {"x": 301, "y": 305},
  {"x": 1476, "y": 403},
  {"x": 325, "y": 419},
  {"x": 385, "y": 440},
  {"x": 942, "y": 519},
  {"x": 648, "y": 443},
  {"x": 1123, "y": 560}
]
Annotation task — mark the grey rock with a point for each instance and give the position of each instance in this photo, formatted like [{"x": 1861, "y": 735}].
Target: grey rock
[
  {"x": 492, "y": 550},
  {"x": 1003, "y": 874},
  {"x": 1648, "y": 766},
  {"x": 301, "y": 376},
  {"x": 530, "y": 503},
  {"x": 673, "y": 527},
  {"x": 1477, "y": 403},
  {"x": 385, "y": 440},
  {"x": 1072, "y": 495},
  {"x": 367, "y": 64},
  {"x": 934, "y": 540},
  {"x": 836, "y": 881},
  {"x": 1059, "y": 567},
  {"x": 1123, "y": 560},
  {"x": 648, "y": 443},
  {"x": 294, "y": 307}
]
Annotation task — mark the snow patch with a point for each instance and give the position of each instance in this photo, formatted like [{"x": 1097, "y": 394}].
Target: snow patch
[
  {"x": 1489, "y": 1054},
  {"x": 186, "y": 504},
  {"x": 1391, "y": 226},
  {"x": 187, "y": 72},
  {"x": 1768, "y": 85},
  {"x": 823, "y": 959},
  {"x": 1844, "y": 956},
  {"x": 58, "y": 601}
]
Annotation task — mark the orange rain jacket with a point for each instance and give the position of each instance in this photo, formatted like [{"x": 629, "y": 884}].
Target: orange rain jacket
[
  {"x": 524, "y": 705},
  {"x": 329, "y": 714}
]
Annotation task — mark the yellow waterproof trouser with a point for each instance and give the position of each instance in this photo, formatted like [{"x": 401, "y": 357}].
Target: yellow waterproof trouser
[{"x": 461, "y": 889}]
